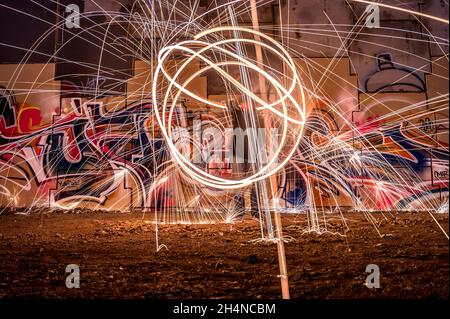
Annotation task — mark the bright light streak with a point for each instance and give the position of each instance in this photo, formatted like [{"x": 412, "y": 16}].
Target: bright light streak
[{"x": 284, "y": 94}]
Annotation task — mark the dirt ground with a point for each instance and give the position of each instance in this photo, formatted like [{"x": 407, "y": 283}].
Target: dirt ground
[{"x": 116, "y": 253}]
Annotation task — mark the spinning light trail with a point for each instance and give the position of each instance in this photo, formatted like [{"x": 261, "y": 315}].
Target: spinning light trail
[{"x": 190, "y": 169}]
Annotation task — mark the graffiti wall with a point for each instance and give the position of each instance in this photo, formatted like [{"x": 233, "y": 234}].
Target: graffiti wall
[{"x": 375, "y": 135}]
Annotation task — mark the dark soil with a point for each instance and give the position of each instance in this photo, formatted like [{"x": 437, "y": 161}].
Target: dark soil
[{"x": 116, "y": 253}]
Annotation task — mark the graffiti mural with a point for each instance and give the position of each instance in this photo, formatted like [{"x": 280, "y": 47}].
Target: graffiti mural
[{"x": 352, "y": 135}]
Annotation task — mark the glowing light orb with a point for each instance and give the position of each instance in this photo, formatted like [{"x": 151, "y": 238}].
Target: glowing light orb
[{"x": 211, "y": 42}]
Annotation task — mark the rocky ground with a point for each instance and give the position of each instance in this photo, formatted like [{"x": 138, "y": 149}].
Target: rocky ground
[{"x": 116, "y": 253}]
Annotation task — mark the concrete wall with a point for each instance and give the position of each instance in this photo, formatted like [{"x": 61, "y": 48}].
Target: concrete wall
[{"x": 353, "y": 74}]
